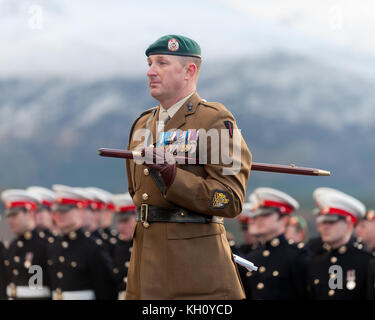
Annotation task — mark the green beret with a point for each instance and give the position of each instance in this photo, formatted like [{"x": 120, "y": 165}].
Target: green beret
[{"x": 175, "y": 45}]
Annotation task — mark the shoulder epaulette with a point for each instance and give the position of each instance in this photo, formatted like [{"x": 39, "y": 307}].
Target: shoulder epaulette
[{"x": 213, "y": 105}]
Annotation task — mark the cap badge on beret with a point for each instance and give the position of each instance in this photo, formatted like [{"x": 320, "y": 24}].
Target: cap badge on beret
[{"x": 173, "y": 44}]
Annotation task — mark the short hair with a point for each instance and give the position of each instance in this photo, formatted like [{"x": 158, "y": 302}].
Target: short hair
[{"x": 195, "y": 60}]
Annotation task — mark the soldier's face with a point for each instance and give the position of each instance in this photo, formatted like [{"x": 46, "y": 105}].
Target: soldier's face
[
  {"x": 69, "y": 220},
  {"x": 268, "y": 224},
  {"x": 332, "y": 232},
  {"x": 43, "y": 219},
  {"x": 166, "y": 76},
  {"x": 19, "y": 222},
  {"x": 125, "y": 227},
  {"x": 292, "y": 233},
  {"x": 366, "y": 231}
]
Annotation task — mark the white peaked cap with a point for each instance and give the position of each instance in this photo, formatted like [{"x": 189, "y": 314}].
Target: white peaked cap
[
  {"x": 269, "y": 194},
  {"x": 68, "y": 192},
  {"x": 99, "y": 194},
  {"x": 335, "y": 202},
  {"x": 123, "y": 199},
  {"x": 13, "y": 195},
  {"x": 43, "y": 194}
]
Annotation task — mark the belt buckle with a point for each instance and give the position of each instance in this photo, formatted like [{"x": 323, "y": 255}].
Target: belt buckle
[{"x": 144, "y": 220}]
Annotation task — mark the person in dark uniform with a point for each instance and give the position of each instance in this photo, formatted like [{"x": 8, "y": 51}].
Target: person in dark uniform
[
  {"x": 365, "y": 230},
  {"x": 281, "y": 266},
  {"x": 43, "y": 216},
  {"x": 296, "y": 230},
  {"x": 250, "y": 241},
  {"x": 125, "y": 214},
  {"x": 79, "y": 267},
  {"x": 3, "y": 283},
  {"x": 344, "y": 272},
  {"x": 26, "y": 257},
  {"x": 102, "y": 209}
]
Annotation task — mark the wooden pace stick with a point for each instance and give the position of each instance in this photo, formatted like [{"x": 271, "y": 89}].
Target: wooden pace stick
[{"x": 256, "y": 166}]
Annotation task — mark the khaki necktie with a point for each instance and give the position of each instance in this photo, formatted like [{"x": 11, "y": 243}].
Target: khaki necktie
[{"x": 163, "y": 118}]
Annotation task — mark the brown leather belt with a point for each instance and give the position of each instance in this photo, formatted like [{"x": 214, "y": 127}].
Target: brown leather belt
[{"x": 147, "y": 213}]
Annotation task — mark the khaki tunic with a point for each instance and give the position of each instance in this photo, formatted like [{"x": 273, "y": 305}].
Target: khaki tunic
[{"x": 186, "y": 260}]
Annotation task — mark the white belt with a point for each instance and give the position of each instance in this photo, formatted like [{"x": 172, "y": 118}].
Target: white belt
[
  {"x": 121, "y": 295},
  {"x": 28, "y": 292},
  {"x": 74, "y": 295}
]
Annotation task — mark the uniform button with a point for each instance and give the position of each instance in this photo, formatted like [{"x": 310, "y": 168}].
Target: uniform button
[
  {"x": 65, "y": 244},
  {"x": 72, "y": 235},
  {"x": 59, "y": 275},
  {"x": 19, "y": 244},
  {"x": 146, "y": 172},
  {"x": 248, "y": 274},
  {"x": 115, "y": 270},
  {"x": 333, "y": 259},
  {"x": 104, "y": 236},
  {"x": 15, "y": 272},
  {"x": 61, "y": 259},
  {"x": 99, "y": 242},
  {"x": 49, "y": 262},
  {"x": 275, "y": 273},
  {"x": 266, "y": 253},
  {"x": 145, "y": 196},
  {"x": 28, "y": 235},
  {"x": 51, "y": 239},
  {"x": 125, "y": 279},
  {"x": 73, "y": 264},
  {"x": 113, "y": 240},
  {"x": 17, "y": 259},
  {"x": 127, "y": 264},
  {"x": 290, "y": 241},
  {"x": 331, "y": 293},
  {"x": 260, "y": 285},
  {"x": 87, "y": 234},
  {"x": 275, "y": 242},
  {"x": 316, "y": 281},
  {"x": 300, "y": 245},
  {"x": 342, "y": 249},
  {"x": 6, "y": 263},
  {"x": 360, "y": 246},
  {"x": 130, "y": 249},
  {"x": 262, "y": 269},
  {"x": 42, "y": 234}
]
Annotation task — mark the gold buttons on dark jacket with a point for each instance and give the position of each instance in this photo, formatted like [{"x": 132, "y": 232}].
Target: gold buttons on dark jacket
[
  {"x": 146, "y": 172},
  {"x": 145, "y": 196},
  {"x": 275, "y": 242},
  {"x": 262, "y": 269},
  {"x": 333, "y": 259},
  {"x": 260, "y": 286},
  {"x": 266, "y": 253}
]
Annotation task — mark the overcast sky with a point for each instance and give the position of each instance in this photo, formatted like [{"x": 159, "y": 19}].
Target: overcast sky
[{"x": 104, "y": 38}]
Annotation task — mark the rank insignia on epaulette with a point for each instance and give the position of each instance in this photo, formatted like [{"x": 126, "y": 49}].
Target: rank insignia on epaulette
[
  {"x": 229, "y": 126},
  {"x": 220, "y": 199}
]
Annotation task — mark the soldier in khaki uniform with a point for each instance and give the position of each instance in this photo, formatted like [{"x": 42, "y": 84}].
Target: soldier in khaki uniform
[{"x": 180, "y": 250}]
